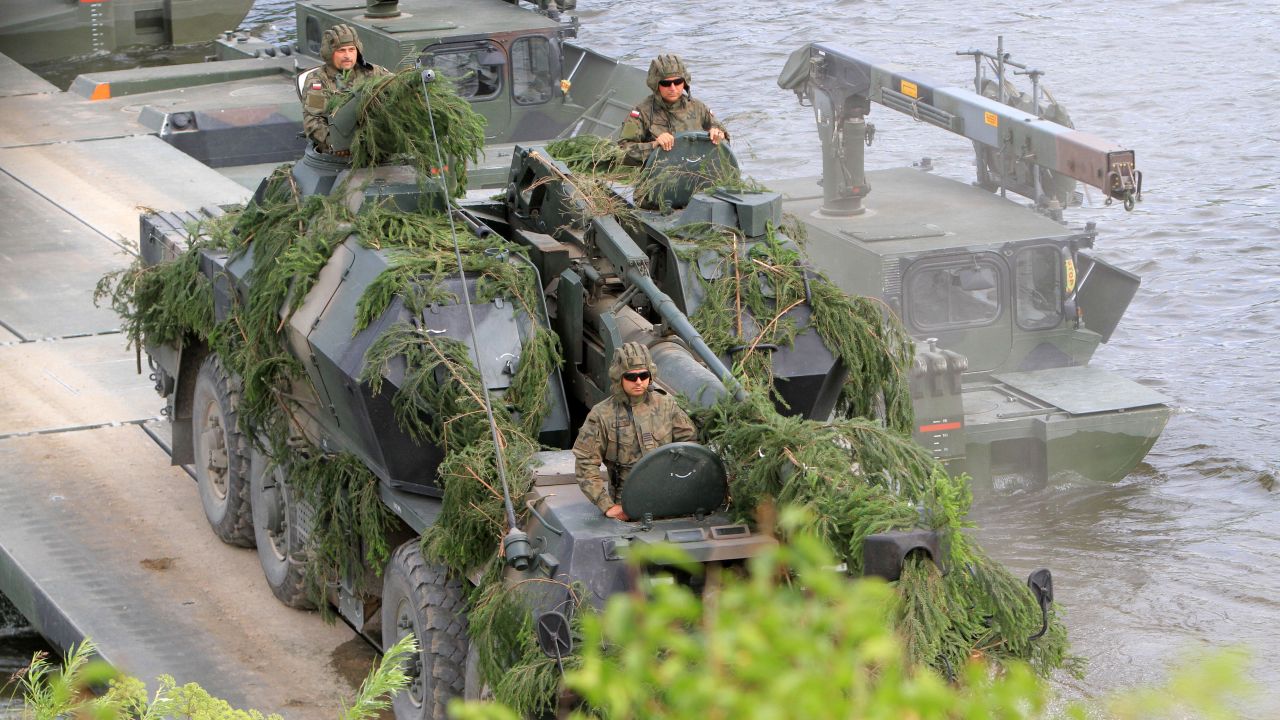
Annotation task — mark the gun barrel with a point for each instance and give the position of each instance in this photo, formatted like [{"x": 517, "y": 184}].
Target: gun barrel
[{"x": 680, "y": 325}]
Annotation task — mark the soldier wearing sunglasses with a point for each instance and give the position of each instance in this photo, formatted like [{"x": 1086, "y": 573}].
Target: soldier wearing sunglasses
[
  {"x": 636, "y": 418},
  {"x": 669, "y": 110}
]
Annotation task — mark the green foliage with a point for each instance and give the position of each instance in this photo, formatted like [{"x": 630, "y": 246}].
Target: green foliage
[
  {"x": 52, "y": 694},
  {"x": 347, "y": 515},
  {"x": 788, "y": 636},
  {"x": 162, "y": 303},
  {"x": 588, "y": 155},
  {"x": 383, "y": 682},
  {"x": 396, "y": 119}
]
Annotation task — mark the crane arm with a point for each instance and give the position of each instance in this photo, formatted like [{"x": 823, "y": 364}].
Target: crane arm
[{"x": 840, "y": 83}]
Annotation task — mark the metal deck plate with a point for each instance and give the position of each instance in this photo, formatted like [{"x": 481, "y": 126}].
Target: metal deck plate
[
  {"x": 17, "y": 80},
  {"x": 96, "y": 526},
  {"x": 50, "y": 117},
  {"x": 107, "y": 183},
  {"x": 49, "y": 263},
  {"x": 73, "y": 382},
  {"x": 1082, "y": 390}
]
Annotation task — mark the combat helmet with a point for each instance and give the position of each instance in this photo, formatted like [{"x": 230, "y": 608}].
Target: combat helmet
[
  {"x": 337, "y": 36},
  {"x": 665, "y": 66},
  {"x": 631, "y": 356}
]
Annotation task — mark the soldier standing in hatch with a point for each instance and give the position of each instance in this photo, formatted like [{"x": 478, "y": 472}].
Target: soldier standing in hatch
[
  {"x": 669, "y": 110},
  {"x": 344, "y": 66},
  {"x": 636, "y": 418}
]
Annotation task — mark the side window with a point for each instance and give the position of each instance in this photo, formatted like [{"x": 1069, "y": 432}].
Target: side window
[
  {"x": 313, "y": 36},
  {"x": 953, "y": 295},
  {"x": 1038, "y": 285},
  {"x": 532, "y": 74},
  {"x": 476, "y": 70}
]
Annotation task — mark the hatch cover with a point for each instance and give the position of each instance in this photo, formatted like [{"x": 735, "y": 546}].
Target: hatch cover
[
  {"x": 1082, "y": 390},
  {"x": 883, "y": 233},
  {"x": 415, "y": 25}
]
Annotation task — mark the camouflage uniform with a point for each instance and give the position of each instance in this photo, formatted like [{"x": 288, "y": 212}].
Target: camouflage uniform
[
  {"x": 654, "y": 116},
  {"x": 620, "y": 429},
  {"x": 327, "y": 80}
]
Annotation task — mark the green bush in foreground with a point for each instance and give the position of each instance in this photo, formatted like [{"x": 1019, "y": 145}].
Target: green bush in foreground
[
  {"x": 789, "y": 637},
  {"x": 792, "y": 637},
  {"x": 51, "y": 692}
]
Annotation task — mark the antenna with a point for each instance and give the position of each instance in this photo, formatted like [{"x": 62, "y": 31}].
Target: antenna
[{"x": 515, "y": 544}]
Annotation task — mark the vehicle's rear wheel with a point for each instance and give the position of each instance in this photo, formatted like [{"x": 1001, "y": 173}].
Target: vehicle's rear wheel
[
  {"x": 280, "y": 524},
  {"x": 420, "y": 598},
  {"x": 221, "y": 454}
]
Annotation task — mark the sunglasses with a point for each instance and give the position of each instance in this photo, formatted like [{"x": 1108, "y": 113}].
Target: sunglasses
[
  {"x": 668, "y": 83},
  {"x": 636, "y": 376}
]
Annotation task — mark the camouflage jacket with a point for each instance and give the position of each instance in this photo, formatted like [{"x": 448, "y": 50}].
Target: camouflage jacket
[
  {"x": 619, "y": 438},
  {"x": 653, "y": 116},
  {"x": 323, "y": 83}
]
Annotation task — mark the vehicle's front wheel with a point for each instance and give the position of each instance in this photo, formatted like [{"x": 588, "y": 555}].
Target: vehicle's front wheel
[
  {"x": 221, "y": 454},
  {"x": 280, "y": 524},
  {"x": 420, "y": 598}
]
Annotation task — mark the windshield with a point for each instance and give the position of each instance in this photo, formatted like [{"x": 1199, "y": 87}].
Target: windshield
[
  {"x": 1038, "y": 277},
  {"x": 962, "y": 293}
]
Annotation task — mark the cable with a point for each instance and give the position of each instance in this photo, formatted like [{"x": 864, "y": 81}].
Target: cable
[{"x": 428, "y": 76}]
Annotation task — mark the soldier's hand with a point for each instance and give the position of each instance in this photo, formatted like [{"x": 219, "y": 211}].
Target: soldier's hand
[
  {"x": 666, "y": 141},
  {"x": 716, "y": 135},
  {"x": 616, "y": 513}
]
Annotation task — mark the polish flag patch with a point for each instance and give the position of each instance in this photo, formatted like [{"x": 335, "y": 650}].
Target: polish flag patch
[{"x": 635, "y": 113}]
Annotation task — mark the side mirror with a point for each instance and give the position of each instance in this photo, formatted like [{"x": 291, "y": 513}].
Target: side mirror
[
  {"x": 1041, "y": 584},
  {"x": 554, "y": 636}
]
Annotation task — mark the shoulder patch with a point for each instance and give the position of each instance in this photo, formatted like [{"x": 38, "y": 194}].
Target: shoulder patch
[{"x": 635, "y": 113}]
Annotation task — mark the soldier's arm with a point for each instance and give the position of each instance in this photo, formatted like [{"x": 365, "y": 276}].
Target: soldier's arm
[
  {"x": 682, "y": 428},
  {"x": 634, "y": 139},
  {"x": 709, "y": 121},
  {"x": 315, "y": 123},
  {"x": 587, "y": 452}
]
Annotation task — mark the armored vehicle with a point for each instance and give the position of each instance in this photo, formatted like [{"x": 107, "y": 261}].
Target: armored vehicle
[
  {"x": 517, "y": 64},
  {"x": 34, "y": 31},
  {"x": 1006, "y": 302},
  {"x": 607, "y": 278}
]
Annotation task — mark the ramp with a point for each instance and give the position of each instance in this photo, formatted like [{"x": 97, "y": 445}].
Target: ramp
[{"x": 99, "y": 536}]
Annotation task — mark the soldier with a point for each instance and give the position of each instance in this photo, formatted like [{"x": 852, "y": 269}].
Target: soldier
[
  {"x": 344, "y": 65},
  {"x": 636, "y": 418},
  {"x": 669, "y": 110}
]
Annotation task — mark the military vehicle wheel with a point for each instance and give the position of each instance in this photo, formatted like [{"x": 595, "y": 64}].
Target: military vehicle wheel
[
  {"x": 280, "y": 527},
  {"x": 420, "y": 598},
  {"x": 221, "y": 454}
]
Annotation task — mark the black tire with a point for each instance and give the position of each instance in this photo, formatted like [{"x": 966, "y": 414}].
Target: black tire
[
  {"x": 420, "y": 598},
  {"x": 221, "y": 454},
  {"x": 280, "y": 525}
]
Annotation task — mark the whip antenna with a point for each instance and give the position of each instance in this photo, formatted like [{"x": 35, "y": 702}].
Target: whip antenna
[{"x": 515, "y": 544}]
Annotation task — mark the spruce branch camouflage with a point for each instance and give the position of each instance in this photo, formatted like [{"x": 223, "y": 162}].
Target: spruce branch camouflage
[{"x": 621, "y": 429}]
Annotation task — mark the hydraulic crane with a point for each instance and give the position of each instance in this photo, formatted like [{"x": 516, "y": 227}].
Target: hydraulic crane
[{"x": 841, "y": 84}]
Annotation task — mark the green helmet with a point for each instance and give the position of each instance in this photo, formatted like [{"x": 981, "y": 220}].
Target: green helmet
[
  {"x": 665, "y": 66},
  {"x": 631, "y": 356},
  {"x": 337, "y": 36}
]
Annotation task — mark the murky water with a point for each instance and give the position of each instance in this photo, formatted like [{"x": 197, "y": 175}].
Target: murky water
[{"x": 1180, "y": 553}]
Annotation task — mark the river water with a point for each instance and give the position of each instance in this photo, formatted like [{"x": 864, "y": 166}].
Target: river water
[{"x": 1180, "y": 554}]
